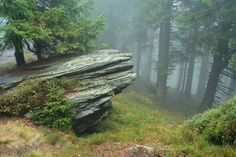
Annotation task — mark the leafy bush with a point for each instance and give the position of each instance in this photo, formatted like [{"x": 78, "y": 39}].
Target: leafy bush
[
  {"x": 218, "y": 125},
  {"x": 53, "y": 114},
  {"x": 42, "y": 102}
]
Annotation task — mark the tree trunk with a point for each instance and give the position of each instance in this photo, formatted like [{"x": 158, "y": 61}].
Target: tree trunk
[
  {"x": 202, "y": 77},
  {"x": 191, "y": 51},
  {"x": 232, "y": 84},
  {"x": 149, "y": 64},
  {"x": 220, "y": 62},
  {"x": 188, "y": 87},
  {"x": 213, "y": 80},
  {"x": 141, "y": 41},
  {"x": 138, "y": 58},
  {"x": 184, "y": 79},
  {"x": 19, "y": 52},
  {"x": 163, "y": 63},
  {"x": 39, "y": 49},
  {"x": 180, "y": 76},
  {"x": 164, "y": 46}
]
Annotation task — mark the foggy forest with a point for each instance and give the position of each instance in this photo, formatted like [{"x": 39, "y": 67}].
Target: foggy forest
[{"x": 122, "y": 78}]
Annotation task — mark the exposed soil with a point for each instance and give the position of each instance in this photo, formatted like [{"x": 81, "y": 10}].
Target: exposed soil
[
  {"x": 134, "y": 150},
  {"x": 19, "y": 149}
]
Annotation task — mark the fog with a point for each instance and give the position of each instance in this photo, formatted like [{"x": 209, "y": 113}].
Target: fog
[
  {"x": 182, "y": 49},
  {"x": 163, "y": 41},
  {"x": 118, "y": 78}
]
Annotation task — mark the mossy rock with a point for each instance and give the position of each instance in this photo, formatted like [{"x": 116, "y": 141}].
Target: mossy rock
[{"x": 40, "y": 92}]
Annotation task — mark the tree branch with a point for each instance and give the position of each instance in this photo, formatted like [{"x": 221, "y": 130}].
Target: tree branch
[
  {"x": 28, "y": 47},
  {"x": 3, "y": 49}
]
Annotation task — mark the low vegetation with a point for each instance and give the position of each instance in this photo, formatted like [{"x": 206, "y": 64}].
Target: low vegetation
[
  {"x": 217, "y": 125},
  {"x": 19, "y": 137},
  {"x": 135, "y": 120},
  {"x": 41, "y": 101}
]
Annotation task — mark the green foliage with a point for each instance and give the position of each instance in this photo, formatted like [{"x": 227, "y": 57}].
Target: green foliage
[
  {"x": 156, "y": 12},
  {"x": 70, "y": 25},
  {"x": 232, "y": 63},
  {"x": 136, "y": 119},
  {"x": 60, "y": 26},
  {"x": 218, "y": 125},
  {"x": 20, "y": 17},
  {"x": 42, "y": 102},
  {"x": 53, "y": 114},
  {"x": 70, "y": 30}
]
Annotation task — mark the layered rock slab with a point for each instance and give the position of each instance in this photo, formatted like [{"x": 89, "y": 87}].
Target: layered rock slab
[{"x": 102, "y": 75}]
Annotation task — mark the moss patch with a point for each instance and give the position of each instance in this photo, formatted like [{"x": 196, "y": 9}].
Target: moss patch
[{"x": 217, "y": 125}]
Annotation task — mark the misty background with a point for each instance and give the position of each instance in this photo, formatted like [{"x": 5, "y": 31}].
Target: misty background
[
  {"x": 131, "y": 29},
  {"x": 172, "y": 51}
]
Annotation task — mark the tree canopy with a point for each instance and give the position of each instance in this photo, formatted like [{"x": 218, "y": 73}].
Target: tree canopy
[{"x": 52, "y": 26}]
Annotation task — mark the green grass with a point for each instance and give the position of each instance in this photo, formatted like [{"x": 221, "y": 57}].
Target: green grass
[{"x": 135, "y": 119}]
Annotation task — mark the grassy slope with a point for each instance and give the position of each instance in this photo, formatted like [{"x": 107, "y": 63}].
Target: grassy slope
[{"x": 135, "y": 120}]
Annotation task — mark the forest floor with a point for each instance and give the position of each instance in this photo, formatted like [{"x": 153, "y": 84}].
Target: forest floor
[{"x": 137, "y": 127}]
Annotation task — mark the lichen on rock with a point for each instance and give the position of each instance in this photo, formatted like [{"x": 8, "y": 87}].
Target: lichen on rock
[{"x": 101, "y": 75}]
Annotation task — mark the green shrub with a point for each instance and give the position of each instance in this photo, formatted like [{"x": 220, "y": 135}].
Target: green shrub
[
  {"x": 40, "y": 101},
  {"x": 53, "y": 114},
  {"x": 217, "y": 125}
]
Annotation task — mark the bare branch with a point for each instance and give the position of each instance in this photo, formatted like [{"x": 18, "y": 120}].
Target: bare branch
[
  {"x": 3, "y": 49},
  {"x": 28, "y": 47},
  {"x": 227, "y": 74}
]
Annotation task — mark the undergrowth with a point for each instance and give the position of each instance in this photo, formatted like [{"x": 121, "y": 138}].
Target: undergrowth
[
  {"x": 217, "y": 125},
  {"x": 135, "y": 119},
  {"x": 40, "y": 101}
]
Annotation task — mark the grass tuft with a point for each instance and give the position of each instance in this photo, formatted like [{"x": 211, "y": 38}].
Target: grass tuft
[{"x": 135, "y": 120}]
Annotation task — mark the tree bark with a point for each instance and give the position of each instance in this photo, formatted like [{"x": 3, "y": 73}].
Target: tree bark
[
  {"x": 188, "y": 87},
  {"x": 202, "y": 77},
  {"x": 164, "y": 48},
  {"x": 232, "y": 84},
  {"x": 139, "y": 57},
  {"x": 19, "y": 52},
  {"x": 213, "y": 80},
  {"x": 39, "y": 49},
  {"x": 149, "y": 64},
  {"x": 191, "y": 51},
  {"x": 141, "y": 41},
  {"x": 220, "y": 62},
  {"x": 184, "y": 79},
  {"x": 180, "y": 76}
]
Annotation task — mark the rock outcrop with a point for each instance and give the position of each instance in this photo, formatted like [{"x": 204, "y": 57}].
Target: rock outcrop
[{"x": 102, "y": 75}]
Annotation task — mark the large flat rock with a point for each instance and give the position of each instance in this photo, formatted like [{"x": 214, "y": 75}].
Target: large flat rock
[{"x": 102, "y": 75}]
